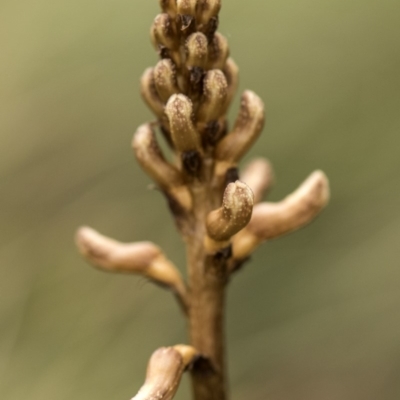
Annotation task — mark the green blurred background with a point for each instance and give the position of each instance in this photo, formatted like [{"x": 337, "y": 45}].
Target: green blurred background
[{"x": 315, "y": 316}]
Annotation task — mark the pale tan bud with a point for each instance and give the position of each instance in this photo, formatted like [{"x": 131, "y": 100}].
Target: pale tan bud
[
  {"x": 162, "y": 32},
  {"x": 231, "y": 72},
  {"x": 164, "y": 372},
  {"x": 215, "y": 90},
  {"x": 208, "y": 9},
  {"x": 246, "y": 130},
  {"x": 196, "y": 50},
  {"x": 168, "y": 6},
  {"x": 186, "y": 7},
  {"x": 271, "y": 220},
  {"x": 235, "y": 213},
  {"x": 151, "y": 159},
  {"x": 165, "y": 79},
  {"x": 218, "y": 52},
  {"x": 259, "y": 176},
  {"x": 179, "y": 110},
  {"x": 149, "y": 93}
]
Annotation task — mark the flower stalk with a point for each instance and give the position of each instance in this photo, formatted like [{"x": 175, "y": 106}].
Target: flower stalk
[{"x": 220, "y": 217}]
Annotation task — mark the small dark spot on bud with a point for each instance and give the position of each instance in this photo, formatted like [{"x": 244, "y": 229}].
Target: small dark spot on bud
[
  {"x": 211, "y": 27},
  {"x": 185, "y": 21},
  {"x": 232, "y": 175},
  {"x": 214, "y": 131}
]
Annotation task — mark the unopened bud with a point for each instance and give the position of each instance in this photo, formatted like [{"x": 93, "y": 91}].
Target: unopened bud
[
  {"x": 179, "y": 110},
  {"x": 218, "y": 52},
  {"x": 186, "y": 7},
  {"x": 208, "y": 9},
  {"x": 164, "y": 372},
  {"x": 246, "y": 130},
  {"x": 196, "y": 50},
  {"x": 258, "y": 175},
  {"x": 165, "y": 79},
  {"x": 214, "y": 96},
  {"x": 168, "y": 6},
  {"x": 149, "y": 93},
  {"x": 231, "y": 72},
  {"x": 143, "y": 258},
  {"x": 162, "y": 32},
  {"x": 235, "y": 213},
  {"x": 271, "y": 220}
]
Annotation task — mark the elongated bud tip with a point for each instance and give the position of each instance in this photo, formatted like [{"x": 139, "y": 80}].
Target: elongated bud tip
[
  {"x": 179, "y": 111},
  {"x": 208, "y": 9},
  {"x": 186, "y": 7},
  {"x": 235, "y": 213},
  {"x": 112, "y": 255},
  {"x": 259, "y": 175},
  {"x": 316, "y": 189},
  {"x": 197, "y": 50}
]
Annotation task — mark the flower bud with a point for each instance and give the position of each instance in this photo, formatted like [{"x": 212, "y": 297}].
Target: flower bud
[
  {"x": 271, "y": 220},
  {"x": 235, "y": 213},
  {"x": 164, "y": 372},
  {"x": 196, "y": 50},
  {"x": 186, "y": 7},
  {"x": 168, "y": 6},
  {"x": 231, "y": 72},
  {"x": 179, "y": 111},
  {"x": 218, "y": 52},
  {"x": 162, "y": 32},
  {"x": 258, "y": 175},
  {"x": 143, "y": 258},
  {"x": 208, "y": 9},
  {"x": 149, "y": 93},
  {"x": 165, "y": 79},
  {"x": 246, "y": 130},
  {"x": 215, "y": 90}
]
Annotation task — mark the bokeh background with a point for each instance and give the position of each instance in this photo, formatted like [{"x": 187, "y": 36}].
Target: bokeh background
[{"x": 315, "y": 316}]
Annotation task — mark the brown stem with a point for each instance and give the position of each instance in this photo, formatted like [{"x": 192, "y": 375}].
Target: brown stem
[{"x": 207, "y": 281}]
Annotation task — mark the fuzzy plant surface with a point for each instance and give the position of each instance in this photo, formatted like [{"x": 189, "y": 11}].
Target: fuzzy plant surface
[{"x": 218, "y": 211}]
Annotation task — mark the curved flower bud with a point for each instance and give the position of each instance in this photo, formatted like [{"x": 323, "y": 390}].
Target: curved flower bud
[
  {"x": 162, "y": 32},
  {"x": 259, "y": 176},
  {"x": 149, "y": 93},
  {"x": 164, "y": 372},
  {"x": 218, "y": 52},
  {"x": 271, "y": 220},
  {"x": 168, "y": 6},
  {"x": 246, "y": 130},
  {"x": 186, "y": 7},
  {"x": 215, "y": 88},
  {"x": 151, "y": 159},
  {"x": 144, "y": 258},
  {"x": 234, "y": 214},
  {"x": 231, "y": 72},
  {"x": 196, "y": 47},
  {"x": 208, "y": 9},
  {"x": 165, "y": 79},
  {"x": 179, "y": 110}
]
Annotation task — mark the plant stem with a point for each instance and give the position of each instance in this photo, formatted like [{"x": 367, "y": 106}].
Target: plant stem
[{"x": 207, "y": 281}]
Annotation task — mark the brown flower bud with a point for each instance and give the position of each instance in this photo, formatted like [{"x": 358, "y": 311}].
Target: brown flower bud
[
  {"x": 215, "y": 90},
  {"x": 271, "y": 220},
  {"x": 196, "y": 50},
  {"x": 179, "y": 111},
  {"x": 143, "y": 258},
  {"x": 258, "y": 175},
  {"x": 248, "y": 126},
  {"x": 218, "y": 52},
  {"x": 164, "y": 372},
  {"x": 165, "y": 79},
  {"x": 162, "y": 32},
  {"x": 151, "y": 159},
  {"x": 208, "y": 9},
  {"x": 168, "y": 6},
  {"x": 149, "y": 93},
  {"x": 186, "y": 7},
  {"x": 231, "y": 72},
  {"x": 235, "y": 213}
]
